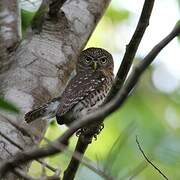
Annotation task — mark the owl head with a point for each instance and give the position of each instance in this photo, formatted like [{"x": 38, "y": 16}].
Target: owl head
[{"x": 95, "y": 59}]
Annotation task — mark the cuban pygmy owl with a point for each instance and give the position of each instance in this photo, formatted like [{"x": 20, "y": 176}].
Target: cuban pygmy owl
[{"x": 84, "y": 92}]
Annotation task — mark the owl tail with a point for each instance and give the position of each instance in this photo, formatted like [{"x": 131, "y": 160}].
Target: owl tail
[{"x": 46, "y": 111}]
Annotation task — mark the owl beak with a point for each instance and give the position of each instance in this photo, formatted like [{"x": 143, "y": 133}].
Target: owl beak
[{"x": 95, "y": 65}]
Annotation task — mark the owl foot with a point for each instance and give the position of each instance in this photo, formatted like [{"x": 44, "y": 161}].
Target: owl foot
[
  {"x": 100, "y": 127},
  {"x": 94, "y": 130}
]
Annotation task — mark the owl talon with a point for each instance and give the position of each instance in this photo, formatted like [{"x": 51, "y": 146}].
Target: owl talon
[
  {"x": 89, "y": 131},
  {"x": 78, "y": 133},
  {"x": 101, "y": 127},
  {"x": 95, "y": 137}
]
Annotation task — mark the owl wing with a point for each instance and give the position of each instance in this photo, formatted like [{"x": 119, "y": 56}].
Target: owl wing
[{"x": 77, "y": 89}]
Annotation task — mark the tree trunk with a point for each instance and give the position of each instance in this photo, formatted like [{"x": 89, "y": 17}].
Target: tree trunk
[{"x": 40, "y": 67}]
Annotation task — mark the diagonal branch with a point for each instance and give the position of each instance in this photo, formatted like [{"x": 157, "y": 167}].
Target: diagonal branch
[
  {"x": 99, "y": 114},
  {"x": 132, "y": 48}
]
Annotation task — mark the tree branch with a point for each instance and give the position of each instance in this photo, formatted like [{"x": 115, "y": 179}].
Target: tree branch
[
  {"x": 99, "y": 114},
  {"x": 72, "y": 168},
  {"x": 132, "y": 48}
]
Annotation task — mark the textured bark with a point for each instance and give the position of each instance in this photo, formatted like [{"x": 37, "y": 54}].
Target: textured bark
[
  {"x": 10, "y": 29},
  {"x": 41, "y": 66}
]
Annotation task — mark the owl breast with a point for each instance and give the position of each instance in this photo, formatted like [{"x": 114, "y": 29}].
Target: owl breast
[
  {"x": 91, "y": 102},
  {"x": 87, "y": 105}
]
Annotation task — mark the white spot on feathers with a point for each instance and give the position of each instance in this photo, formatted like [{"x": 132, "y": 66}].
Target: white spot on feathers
[{"x": 53, "y": 106}]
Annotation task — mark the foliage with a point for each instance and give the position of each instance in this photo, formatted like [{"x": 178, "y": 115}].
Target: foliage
[
  {"x": 116, "y": 15},
  {"x": 8, "y": 106},
  {"x": 26, "y": 18}
]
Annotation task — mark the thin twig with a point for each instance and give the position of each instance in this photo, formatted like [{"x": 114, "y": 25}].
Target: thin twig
[
  {"x": 149, "y": 161},
  {"x": 97, "y": 115},
  {"x": 56, "y": 171}
]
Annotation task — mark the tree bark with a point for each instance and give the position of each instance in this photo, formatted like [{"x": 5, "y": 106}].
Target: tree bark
[
  {"x": 40, "y": 67},
  {"x": 10, "y": 29}
]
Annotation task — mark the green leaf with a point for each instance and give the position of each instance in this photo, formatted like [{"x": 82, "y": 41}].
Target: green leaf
[
  {"x": 26, "y": 17},
  {"x": 6, "y": 105},
  {"x": 117, "y": 15}
]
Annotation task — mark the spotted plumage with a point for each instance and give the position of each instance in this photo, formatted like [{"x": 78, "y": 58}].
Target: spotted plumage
[{"x": 84, "y": 93}]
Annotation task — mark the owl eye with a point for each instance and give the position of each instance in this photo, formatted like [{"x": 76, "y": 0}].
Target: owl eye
[
  {"x": 88, "y": 60},
  {"x": 103, "y": 60}
]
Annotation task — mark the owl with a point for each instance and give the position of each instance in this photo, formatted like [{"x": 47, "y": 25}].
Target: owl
[{"x": 84, "y": 93}]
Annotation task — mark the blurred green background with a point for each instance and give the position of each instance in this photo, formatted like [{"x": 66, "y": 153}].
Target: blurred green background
[{"x": 152, "y": 111}]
